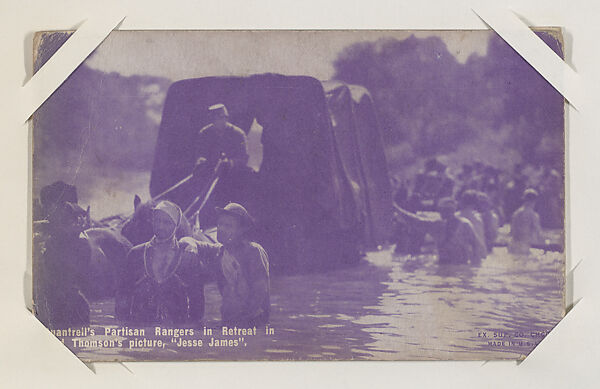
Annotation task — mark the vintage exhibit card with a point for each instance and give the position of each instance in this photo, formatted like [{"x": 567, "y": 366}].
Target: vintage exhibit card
[{"x": 299, "y": 195}]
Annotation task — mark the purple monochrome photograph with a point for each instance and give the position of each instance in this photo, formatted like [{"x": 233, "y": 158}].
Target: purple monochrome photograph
[{"x": 299, "y": 195}]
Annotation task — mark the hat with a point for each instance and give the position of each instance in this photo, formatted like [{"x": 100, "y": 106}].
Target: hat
[
  {"x": 171, "y": 209},
  {"x": 218, "y": 110},
  {"x": 434, "y": 164},
  {"x": 530, "y": 194},
  {"x": 237, "y": 210},
  {"x": 468, "y": 198},
  {"x": 447, "y": 202},
  {"x": 483, "y": 200}
]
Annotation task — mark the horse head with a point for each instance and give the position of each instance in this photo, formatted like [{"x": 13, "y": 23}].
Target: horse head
[{"x": 138, "y": 227}]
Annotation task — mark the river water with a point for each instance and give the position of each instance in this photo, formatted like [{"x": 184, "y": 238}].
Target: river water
[{"x": 388, "y": 307}]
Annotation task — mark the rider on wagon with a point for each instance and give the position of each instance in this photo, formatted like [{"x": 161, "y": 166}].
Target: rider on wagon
[
  {"x": 221, "y": 141},
  {"x": 221, "y": 151}
]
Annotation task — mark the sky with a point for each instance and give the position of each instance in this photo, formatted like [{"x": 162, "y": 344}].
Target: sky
[
  {"x": 179, "y": 55},
  {"x": 188, "y": 54}
]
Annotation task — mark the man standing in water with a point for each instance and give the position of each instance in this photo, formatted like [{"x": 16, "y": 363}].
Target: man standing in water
[
  {"x": 159, "y": 281},
  {"x": 454, "y": 235},
  {"x": 468, "y": 203},
  {"x": 490, "y": 219},
  {"x": 241, "y": 268},
  {"x": 61, "y": 268},
  {"x": 525, "y": 227}
]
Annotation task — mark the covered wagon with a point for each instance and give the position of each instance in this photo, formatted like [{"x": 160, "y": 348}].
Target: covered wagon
[{"x": 304, "y": 197}]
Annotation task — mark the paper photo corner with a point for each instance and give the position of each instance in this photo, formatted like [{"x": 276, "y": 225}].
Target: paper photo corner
[
  {"x": 80, "y": 44},
  {"x": 52, "y": 72},
  {"x": 59, "y": 66}
]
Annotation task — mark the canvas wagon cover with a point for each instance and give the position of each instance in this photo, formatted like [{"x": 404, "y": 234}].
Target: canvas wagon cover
[
  {"x": 360, "y": 146},
  {"x": 304, "y": 191}
]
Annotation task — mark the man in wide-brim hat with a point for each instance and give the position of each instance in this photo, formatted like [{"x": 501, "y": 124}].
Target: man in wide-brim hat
[
  {"x": 241, "y": 268},
  {"x": 238, "y": 211},
  {"x": 221, "y": 138}
]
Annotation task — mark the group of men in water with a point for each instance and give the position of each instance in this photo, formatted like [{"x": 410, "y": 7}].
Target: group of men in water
[
  {"x": 472, "y": 212},
  {"x": 160, "y": 281}
]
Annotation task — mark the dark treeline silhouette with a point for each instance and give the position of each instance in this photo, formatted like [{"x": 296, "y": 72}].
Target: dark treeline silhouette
[
  {"x": 433, "y": 103},
  {"x": 96, "y": 118}
]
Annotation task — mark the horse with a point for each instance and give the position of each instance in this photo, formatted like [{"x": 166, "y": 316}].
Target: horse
[
  {"x": 105, "y": 248},
  {"x": 110, "y": 243},
  {"x": 104, "y": 245},
  {"x": 108, "y": 252},
  {"x": 137, "y": 228}
]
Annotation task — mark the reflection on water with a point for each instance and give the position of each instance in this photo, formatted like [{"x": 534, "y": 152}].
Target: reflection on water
[{"x": 390, "y": 307}]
